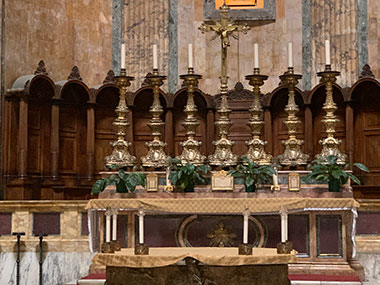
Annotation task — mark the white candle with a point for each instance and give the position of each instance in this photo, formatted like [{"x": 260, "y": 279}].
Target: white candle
[
  {"x": 327, "y": 51},
  {"x": 256, "y": 55},
  {"x": 275, "y": 179},
  {"x": 123, "y": 56},
  {"x": 155, "y": 58},
  {"x": 114, "y": 227},
  {"x": 141, "y": 227},
  {"x": 108, "y": 228},
  {"x": 245, "y": 228},
  {"x": 284, "y": 227},
  {"x": 290, "y": 55},
  {"x": 190, "y": 55},
  {"x": 168, "y": 183}
]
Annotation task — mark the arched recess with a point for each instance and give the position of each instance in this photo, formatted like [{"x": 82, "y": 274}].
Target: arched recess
[
  {"x": 40, "y": 90},
  {"x": 74, "y": 96},
  {"x": 107, "y": 99},
  {"x": 318, "y": 98},
  {"x": 141, "y": 102},
  {"x": 278, "y": 101},
  {"x": 179, "y": 102},
  {"x": 365, "y": 96}
]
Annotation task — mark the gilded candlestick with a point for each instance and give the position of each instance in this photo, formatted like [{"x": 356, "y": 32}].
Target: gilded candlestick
[
  {"x": 190, "y": 152},
  {"x": 256, "y": 146},
  {"x": 120, "y": 155},
  {"x": 293, "y": 154},
  {"x": 156, "y": 156},
  {"x": 330, "y": 145}
]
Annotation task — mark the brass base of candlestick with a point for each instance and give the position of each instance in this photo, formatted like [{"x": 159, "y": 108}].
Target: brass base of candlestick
[
  {"x": 107, "y": 248},
  {"x": 293, "y": 154},
  {"x": 330, "y": 147},
  {"x": 141, "y": 249},
  {"x": 191, "y": 153},
  {"x": 275, "y": 188},
  {"x": 256, "y": 151},
  {"x": 223, "y": 155},
  {"x": 115, "y": 245},
  {"x": 120, "y": 155},
  {"x": 245, "y": 249},
  {"x": 284, "y": 247},
  {"x": 156, "y": 156}
]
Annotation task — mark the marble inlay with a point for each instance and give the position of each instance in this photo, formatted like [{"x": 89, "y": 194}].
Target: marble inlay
[
  {"x": 173, "y": 46},
  {"x": 117, "y": 14},
  {"x": 362, "y": 33},
  {"x": 371, "y": 264},
  {"x": 306, "y": 45}
]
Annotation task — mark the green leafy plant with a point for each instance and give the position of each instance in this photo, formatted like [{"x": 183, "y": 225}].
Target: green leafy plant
[
  {"x": 124, "y": 182},
  {"x": 252, "y": 173},
  {"x": 332, "y": 172},
  {"x": 186, "y": 176}
]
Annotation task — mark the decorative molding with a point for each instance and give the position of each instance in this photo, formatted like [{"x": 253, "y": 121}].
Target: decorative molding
[
  {"x": 366, "y": 72},
  {"x": 146, "y": 81},
  {"x": 110, "y": 78},
  {"x": 74, "y": 75},
  {"x": 238, "y": 93},
  {"x": 267, "y": 13},
  {"x": 41, "y": 69}
]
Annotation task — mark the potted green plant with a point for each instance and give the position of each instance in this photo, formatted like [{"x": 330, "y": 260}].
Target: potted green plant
[
  {"x": 332, "y": 172},
  {"x": 124, "y": 182},
  {"x": 252, "y": 173},
  {"x": 186, "y": 176}
]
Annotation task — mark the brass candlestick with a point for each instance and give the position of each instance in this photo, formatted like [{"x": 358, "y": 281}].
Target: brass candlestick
[
  {"x": 256, "y": 146},
  {"x": 293, "y": 154},
  {"x": 330, "y": 144},
  {"x": 120, "y": 155},
  {"x": 224, "y": 28},
  {"x": 190, "y": 152},
  {"x": 156, "y": 156}
]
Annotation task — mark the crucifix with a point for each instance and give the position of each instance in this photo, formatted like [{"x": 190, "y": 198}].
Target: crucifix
[{"x": 224, "y": 28}]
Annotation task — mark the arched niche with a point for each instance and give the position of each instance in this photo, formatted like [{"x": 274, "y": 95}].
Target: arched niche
[
  {"x": 40, "y": 91},
  {"x": 318, "y": 98},
  {"x": 74, "y": 96},
  {"x": 365, "y": 97},
  {"x": 179, "y": 103},
  {"x": 107, "y": 99},
  {"x": 278, "y": 100},
  {"x": 141, "y": 101}
]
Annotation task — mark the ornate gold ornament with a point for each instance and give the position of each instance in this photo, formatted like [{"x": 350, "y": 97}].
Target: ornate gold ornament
[
  {"x": 293, "y": 154},
  {"x": 256, "y": 146},
  {"x": 156, "y": 156},
  {"x": 190, "y": 152},
  {"x": 221, "y": 236},
  {"x": 223, "y": 155},
  {"x": 330, "y": 145},
  {"x": 120, "y": 155}
]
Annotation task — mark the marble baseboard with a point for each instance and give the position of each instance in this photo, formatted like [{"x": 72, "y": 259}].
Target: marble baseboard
[
  {"x": 58, "y": 267},
  {"x": 371, "y": 264}
]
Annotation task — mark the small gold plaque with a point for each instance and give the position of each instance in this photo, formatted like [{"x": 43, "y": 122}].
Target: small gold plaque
[
  {"x": 294, "y": 181},
  {"x": 221, "y": 181},
  {"x": 152, "y": 182},
  {"x": 241, "y": 4}
]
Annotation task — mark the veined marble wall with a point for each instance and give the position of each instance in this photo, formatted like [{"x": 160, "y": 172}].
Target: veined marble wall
[
  {"x": 374, "y": 36},
  {"x": 146, "y": 23},
  {"x": 62, "y": 33},
  {"x": 336, "y": 20}
]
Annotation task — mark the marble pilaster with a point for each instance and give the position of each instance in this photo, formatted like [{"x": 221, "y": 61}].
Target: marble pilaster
[{"x": 117, "y": 27}]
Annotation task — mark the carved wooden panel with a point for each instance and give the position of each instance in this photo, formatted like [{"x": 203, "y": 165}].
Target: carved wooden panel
[{"x": 240, "y": 133}]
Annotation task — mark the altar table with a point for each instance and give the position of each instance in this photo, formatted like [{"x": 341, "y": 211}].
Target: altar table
[{"x": 202, "y": 266}]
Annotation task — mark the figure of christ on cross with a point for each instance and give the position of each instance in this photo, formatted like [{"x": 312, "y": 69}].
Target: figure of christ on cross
[{"x": 224, "y": 28}]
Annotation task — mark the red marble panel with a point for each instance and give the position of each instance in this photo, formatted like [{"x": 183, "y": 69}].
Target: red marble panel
[
  {"x": 46, "y": 223},
  {"x": 329, "y": 235},
  {"x": 5, "y": 223},
  {"x": 368, "y": 223},
  {"x": 298, "y": 233},
  {"x": 84, "y": 224}
]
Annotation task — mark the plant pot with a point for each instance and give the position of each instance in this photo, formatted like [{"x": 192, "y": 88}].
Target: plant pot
[
  {"x": 251, "y": 188},
  {"x": 334, "y": 185}
]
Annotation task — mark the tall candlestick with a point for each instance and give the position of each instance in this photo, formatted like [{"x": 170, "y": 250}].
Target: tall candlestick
[
  {"x": 290, "y": 54},
  {"x": 256, "y": 55},
  {"x": 108, "y": 228},
  {"x": 284, "y": 225},
  {"x": 141, "y": 226},
  {"x": 114, "y": 226},
  {"x": 122, "y": 56},
  {"x": 190, "y": 56},
  {"x": 327, "y": 51},
  {"x": 275, "y": 179},
  {"x": 245, "y": 227},
  {"x": 168, "y": 182},
  {"x": 155, "y": 58}
]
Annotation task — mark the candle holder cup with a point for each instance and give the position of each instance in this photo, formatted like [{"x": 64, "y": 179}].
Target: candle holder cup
[
  {"x": 245, "y": 249},
  {"x": 285, "y": 247},
  {"x": 141, "y": 249},
  {"x": 107, "y": 248}
]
